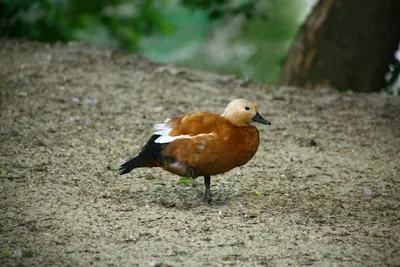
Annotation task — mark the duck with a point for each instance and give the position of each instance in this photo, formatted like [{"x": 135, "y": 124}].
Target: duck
[{"x": 202, "y": 143}]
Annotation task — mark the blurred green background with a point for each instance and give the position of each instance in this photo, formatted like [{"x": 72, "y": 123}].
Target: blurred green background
[{"x": 248, "y": 39}]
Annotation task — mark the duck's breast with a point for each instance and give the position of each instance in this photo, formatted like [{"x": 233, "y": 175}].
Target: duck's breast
[{"x": 237, "y": 147}]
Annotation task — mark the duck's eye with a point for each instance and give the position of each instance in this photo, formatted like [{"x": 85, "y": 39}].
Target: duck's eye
[{"x": 247, "y": 108}]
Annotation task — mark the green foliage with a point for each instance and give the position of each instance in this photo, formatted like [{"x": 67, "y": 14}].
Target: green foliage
[
  {"x": 255, "y": 193},
  {"x": 6, "y": 252},
  {"x": 273, "y": 44},
  {"x": 185, "y": 180},
  {"x": 218, "y": 9},
  {"x": 230, "y": 36},
  {"x": 392, "y": 85},
  {"x": 249, "y": 46},
  {"x": 115, "y": 23},
  {"x": 26, "y": 20}
]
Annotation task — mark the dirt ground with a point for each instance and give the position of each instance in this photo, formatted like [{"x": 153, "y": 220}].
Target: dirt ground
[{"x": 322, "y": 190}]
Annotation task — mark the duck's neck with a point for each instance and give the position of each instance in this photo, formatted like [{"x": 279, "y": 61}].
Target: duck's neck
[{"x": 234, "y": 118}]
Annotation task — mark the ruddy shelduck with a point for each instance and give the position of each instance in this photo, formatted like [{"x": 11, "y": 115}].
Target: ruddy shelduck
[{"x": 202, "y": 143}]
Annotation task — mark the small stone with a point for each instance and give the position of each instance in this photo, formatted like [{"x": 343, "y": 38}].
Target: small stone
[
  {"x": 23, "y": 94},
  {"x": 313, "y": 143},
  {"x": 76, "y": 100},
  {"x": 368, "y": 193},
  {"x": 91, "y": 101},
  {"x": 21, "y": 253}
]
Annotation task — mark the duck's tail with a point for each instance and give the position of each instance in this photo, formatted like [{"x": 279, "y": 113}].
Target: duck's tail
[
  {"x": 128, "y": 166},
  {"x": 147, "y": 157}
]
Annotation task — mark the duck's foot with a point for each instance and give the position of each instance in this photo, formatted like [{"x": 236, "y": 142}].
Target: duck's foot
[
  {"x": 207, "y": 195},
  {"x": 207, "y": 201}
]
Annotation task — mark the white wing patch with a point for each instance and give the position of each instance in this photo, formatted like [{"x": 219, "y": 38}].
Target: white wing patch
[{"x": 164, "y": 130}]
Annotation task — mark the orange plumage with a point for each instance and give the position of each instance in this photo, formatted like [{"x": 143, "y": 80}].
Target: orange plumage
[{"x": 203, "y": 143}]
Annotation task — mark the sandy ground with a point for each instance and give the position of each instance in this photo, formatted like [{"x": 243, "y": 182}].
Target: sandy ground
[{"x": 322, "y": 190}]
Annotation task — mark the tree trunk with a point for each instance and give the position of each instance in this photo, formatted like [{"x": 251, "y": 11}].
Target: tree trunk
[{"x": 345, "y": 44}]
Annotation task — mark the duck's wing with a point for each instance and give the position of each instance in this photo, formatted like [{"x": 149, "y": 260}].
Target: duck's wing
[
  {"x": 187, "y": 126},
  {"x": 190, "y": 142}
]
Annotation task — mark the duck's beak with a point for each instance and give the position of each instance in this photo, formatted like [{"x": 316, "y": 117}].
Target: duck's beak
[{"x": 260, "y": 119}]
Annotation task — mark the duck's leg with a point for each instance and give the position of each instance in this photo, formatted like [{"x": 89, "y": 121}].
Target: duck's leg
[{"x": 207, "y": 195}]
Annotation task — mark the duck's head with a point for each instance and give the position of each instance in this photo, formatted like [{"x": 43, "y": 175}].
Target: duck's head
[{"x": 241, "y": 112}]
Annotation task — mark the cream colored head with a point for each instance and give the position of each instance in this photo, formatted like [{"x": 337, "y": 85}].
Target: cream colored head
[{"x": 241, "y": 112}]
